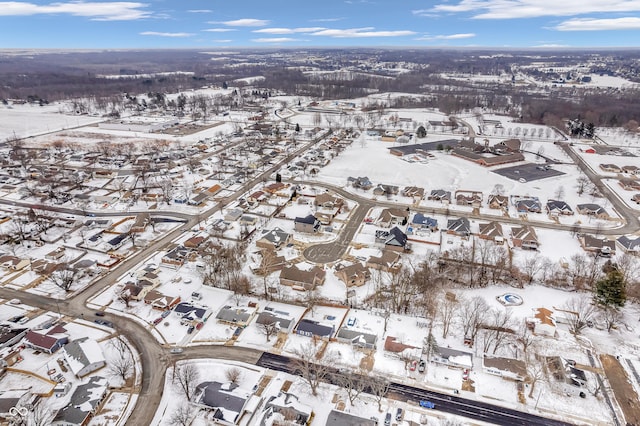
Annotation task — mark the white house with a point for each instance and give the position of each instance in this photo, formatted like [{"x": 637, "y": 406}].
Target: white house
[
  {"x": 543, "y": 322},
  {"x": 84, "y": 356}
]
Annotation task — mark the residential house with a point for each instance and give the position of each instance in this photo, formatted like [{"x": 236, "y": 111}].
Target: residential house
[
  {"x": 274, "y": 239},
  {"x": 48, "y": 341},
  {"x": 388, "y": 260},
  {"x": 9, "y": 336},
  {"x": 386, "y": 190},
  {"x": 392, "y": 345},
  {"x": 199, "y": 199},
  {"x": 159, "y": 300},
  {"x": 354, "y": 275},
  {"x": 227, "y": 402},
  {"x": 508, "y": 368},
  {"x": 491, "y": 231},
  {"x": 599, "y": 246},
  {"x": 629, "y": 245},
  {"x": 84, "y": 356},
  {"x": 543, "y": 322},
  {"x": 612, "y": 168},
  {"x": 360, "y": 182},
  {"x": 274, "y": 188},
  {"x": 557, "y": 208},
  {"x": 357, "y": 338},
  {"x": 282, "y": 322},
  {"x": 189, "y": 313},
  {"x": 308, "y": 224},
  {"x": 498, "y": 202},
  {"x": 420, "y": 221},
  {"x": 301, "y": 279},
  {"x": 84, "y": 403},
  {"x": 340, "y": 418},
  {"x": 594, "y": 210},
  {"x": 289, "y": 406},
  {"x": 393, "y": 216},
  {"x": 524, "y": 237},
  {"x": 195, "y": 242},
  {"x": 118, "y": 241},
  {"x": 459, "y": 227},
  {"x": 328, "y": 201},
  {"x": 394, "y": 239},
  {"x": 630, "y": 184},
  {"x": 414, "y": 192},
  {"x": 56, "y": 254},
  {"x": 509, "y": 145},
  {"x": 248, "y": 220},
  {"x": 257, "y": 197},
  {"x": 468, "y": 198},
  {"x": 176, "y": 257},
  {"x": 452, "y": 357},
  {"x": 527, "y": 205},
  {"x": 141, "y": 222},
  {"x": 440, "y": 195},
  {"x": 233, "y": 215},
  {"x": 236, "y": 316},
  {"x": 14, "y": 263},
  {"x": 312, "y": 328}
]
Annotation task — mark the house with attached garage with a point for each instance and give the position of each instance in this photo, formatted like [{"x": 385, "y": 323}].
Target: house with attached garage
[
  {"x": 507, "y": 368},
  {"x": 459, "y": 227},
  {"x": 598, "y": 246},
  {"x": 629, "y": 245},
  {"x": 84, "y": 403},
  {"x": 273, "y": 239},
  {"x": 239, "y": 316},
  {"x": 47, "y": 341},
  {"x": 281, "y": 320},
  {"x": 527, "y": 204},
  {"x": 189, "y": 313},
  {"x": 308, "y": 224},
  {"x": 420, "y": 221},
  {"x": 312, "y": 328},
  {"x": 357, "y": 338},
  {"x": 354, "y": 275},
  {"x": 84, "y": 356},
  {"x": 440, "y": 195},
  {"x": 524, "y": 237},
  {"x": 415, "y": 192},
  {"x": 594, "y": 210},
  {"x": 226, "y": 402},
  {"x": 557, "y": 208},
  {"x": 491, "y": 231},
  {"x": 498, "y": 202},
  {"x": 387, "y": 261},
  {"x": 297, "y": 278},
  {"x": 392, "y": 216},
  {"x": 287, "y": 405},
  {"x": 394, "y": 239},
  {"x": 542, "y": 323},
  {"x": 468, "y": 198},
  {"x": 452, "y": 357}
]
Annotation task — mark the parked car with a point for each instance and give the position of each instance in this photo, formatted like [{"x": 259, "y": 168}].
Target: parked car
[
  {"x": 427, "y": 404},
  {"x": 104, "y": 322},
  {"x": 165, "y": 314},
  {"x": 387, "y": 419},
  {"x": 199, "y": 325},
  {"x": 190, "y": 329},
  {"x": 413, "y": 365},
  {"x": 176, "y": 350},
  {"x": 15, "y": 301},
  {"x": 421, "y": 366},
  {"x": 157, "y": 321},
  {"x": 99, "y": 314},
  {"x": 399, "y": 414}
]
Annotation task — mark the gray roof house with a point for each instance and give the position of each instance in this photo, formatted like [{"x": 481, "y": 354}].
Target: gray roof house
[
  {"x": 281, "y": 322},
  {"x": 84, "y": 403},
  {"x": 310, "y": 328},
  {"x": 225, "y": 400},
  {"x": 556, "y": 207},
  {"x": 308, "y": 224},
  {"x": 340, "y": 418},
  {"x": 84, "y": 356},
  {"x": 630, "y": 245},
  {"x": 459, "y": 227},
  {"x": 357, "y": 338},
  {"x": 238, "y": 316},
  {"x": 394, "y": 239},
  {"x": 592, "y": 209},
  {"x": 286, "y": 402}
]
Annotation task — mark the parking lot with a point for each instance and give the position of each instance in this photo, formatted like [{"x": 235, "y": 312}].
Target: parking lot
[{"x": 529, "y": 172}]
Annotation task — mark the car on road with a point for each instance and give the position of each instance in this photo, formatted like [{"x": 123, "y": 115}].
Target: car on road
[
  {"x": 176, "y": 350},
  {"x": 522, "y": 180},
  {"x": 104, "y": 322},
  {"x": 190, "y": 329},
  {"x": 427, "y": 404},
  {"x": 157, "y": 321},
  {"x": 421, "y": 366},
  {"x": 199, "y": 325},
  {"x": 99, "y": 314},
  {"x": 15, "y": 301}
]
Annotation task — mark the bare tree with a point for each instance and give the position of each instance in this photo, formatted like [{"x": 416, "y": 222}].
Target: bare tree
[
  {"x": 64, "y": 277},
  {"x": 233, "y": 375},
  {"x": 122, "y": 364},
  {"x": 472, "y": 314},
  {"x": 580, "y": 311},
  {"x": 535, "y": 372},
  {"x": 353, "y": 384},
  {"x": 447, "y": 311},
  {"x": 379, "y": 387},
  {"x": 312, "y": 369},
  {"x": 41, "y": 414},
  {"x": 269, "y": 329},
  {"x": 611, "y": 316},
  {"x": 498, "y": 330},
  {"x": 186, "y": 378},
  {"x": 184, "y": 415}
]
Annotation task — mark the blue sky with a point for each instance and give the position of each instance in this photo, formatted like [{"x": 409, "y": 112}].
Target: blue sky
[{"x": 324, "y": 23}]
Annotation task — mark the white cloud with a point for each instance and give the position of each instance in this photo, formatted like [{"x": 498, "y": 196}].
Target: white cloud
[
  {"x": 113, "y": 11},
  {"x": 274, "y": 40},
  {"x": 160, "y": 34},
  {"x": 220, "y": 40},
  {"x": 551, "y": 46},
  {"x": 246, "y": 22},
  {"x": 509, "y": 9},
  {"x": 327, "y": 20},
  {"x": 448, "y": 36},
  {"x": 288, "y": 30},
  {"x": 219, "y": 30},
  {"x": 361, "y": 32},
  {"x": 200, "y": 11},
  {"x": 587, "y": 24}
]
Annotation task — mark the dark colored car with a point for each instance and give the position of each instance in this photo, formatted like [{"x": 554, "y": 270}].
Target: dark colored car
[
  {"x": 421, "y": 366},
  {"x": 99, "y": 314},
  {"x": 157, "y": 321},
  {"x": 104, "y": 322},
  {"x": 190, "y": 329}
]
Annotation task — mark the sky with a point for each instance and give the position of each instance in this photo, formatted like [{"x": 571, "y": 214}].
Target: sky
[{"x": 327, "y": 23}]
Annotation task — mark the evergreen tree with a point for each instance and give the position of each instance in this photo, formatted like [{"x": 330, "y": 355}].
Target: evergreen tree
[
  {"x": 610, "y": 290},
  {"x": 421, "y": 132},
  {"x": 297, "y": 128}
]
